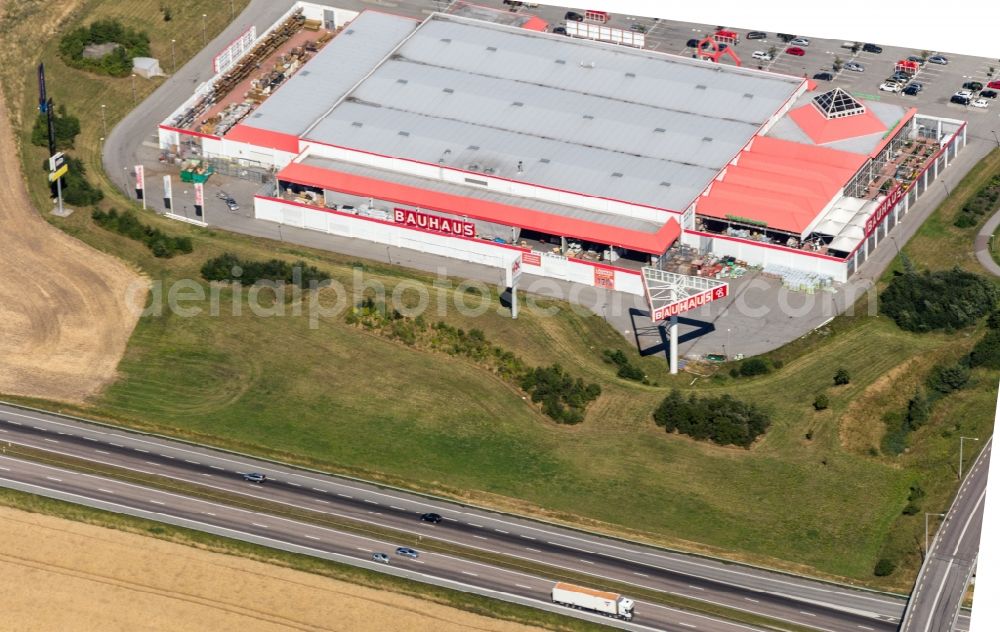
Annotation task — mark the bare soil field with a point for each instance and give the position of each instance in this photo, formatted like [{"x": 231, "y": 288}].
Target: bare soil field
[
  {"x": 64, "y": 320},
  {"x": 57, "y": 574}
]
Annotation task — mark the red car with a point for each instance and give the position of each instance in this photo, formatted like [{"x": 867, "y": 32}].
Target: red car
[
  {"x": 995, "y": 85},
  {"x": 795, "y": 50}
]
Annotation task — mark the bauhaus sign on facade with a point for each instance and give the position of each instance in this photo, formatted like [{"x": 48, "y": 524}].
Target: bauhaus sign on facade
[
  {"x": 702, "y": 298},
  {"x": 433, "y": 223}
]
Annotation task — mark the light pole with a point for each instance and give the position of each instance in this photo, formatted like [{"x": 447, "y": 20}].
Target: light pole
[
  {"x": 204, "y": 29},
  {"x": 961, "y": 444},
  {"x": 133, "y": 90},
  {"x": 104, "y": 120},
  {"x": 173, "y": 57},
  {"x": 926, "y": 537},
  {"x": 232, "y": 10}
]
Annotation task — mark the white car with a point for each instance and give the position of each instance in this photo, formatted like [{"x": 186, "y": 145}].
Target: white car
[
  {"x": 854, "y": 66},
  {"x": 964, "y": 93},
  {"x": 799, "y": 41},
  {"x": 891, "y": 86},
  {"x": 761, "y": 55},
  {"x": 980, "y": 103}
]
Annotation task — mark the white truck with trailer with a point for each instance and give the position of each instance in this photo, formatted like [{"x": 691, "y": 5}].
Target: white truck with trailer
[{"x": 607, "y": 603}]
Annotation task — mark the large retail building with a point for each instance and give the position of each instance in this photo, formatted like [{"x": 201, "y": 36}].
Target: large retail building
[{"x": 476, "y": 140}]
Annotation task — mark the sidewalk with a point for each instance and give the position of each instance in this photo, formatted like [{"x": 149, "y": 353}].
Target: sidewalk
[{"x": 983, "y": 244}]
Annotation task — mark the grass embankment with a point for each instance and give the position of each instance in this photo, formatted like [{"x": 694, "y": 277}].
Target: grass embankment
[
  {"x": 381, "y": 581},
  {"x": 338, "y": 398}
]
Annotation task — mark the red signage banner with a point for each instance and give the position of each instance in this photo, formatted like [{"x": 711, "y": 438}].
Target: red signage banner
[
  {"x": 889, "y": 203},
  {"x": 199, "y": 194},
  {"x": 692, "y": 302},
  {"x": 434, "y": 223},
  {"x": 140, "y": 177},
  {"x": 604, "y": 278},
  {"x": 532, "y": 258}
]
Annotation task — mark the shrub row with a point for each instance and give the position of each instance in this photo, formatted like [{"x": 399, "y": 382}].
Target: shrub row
[
  {"x": 982, "y": 203},
  {"x": 626, "y": 370},
  {"x": 65, "y": 128},
  {"x": 944, "y": 299},
  {"x": 722, "y": 420},
  {"x": 128, "y": 224},
  {"x": 229, "y": 267}
]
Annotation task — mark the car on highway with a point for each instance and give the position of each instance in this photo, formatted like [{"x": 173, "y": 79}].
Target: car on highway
[
  {"x": 381, "y": 558},
  {"x": 993, "y": 85},
  {"x": 938, "y": 59},
  {"x": 406, "y": 551},
  {"x": 891, "y": 86},
  {"x": 799, "y": 41},
  {"x": 960, "y": 99},
  {"x": 871, "y": 48},
  {"x": 756, "y": 35},
  {"x": 975, "y": 86},
  {"x": 988, "y": 94},
  {"x": 982, "y": 104},
  {"x": 796, "y": 51},
  {"x": 255, "y": 477},
  {"x": 432, "y": 517},
  {"x": 761, "y": 55},
  {"x": 913, "y": 89},
  {"x": 854, "y": 66},
  {"x": 573, "y": 16},
  {"x": 823, "y": 76}
]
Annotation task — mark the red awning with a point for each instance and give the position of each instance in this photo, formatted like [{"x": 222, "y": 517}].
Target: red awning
[{"x": 506, "y": 214}]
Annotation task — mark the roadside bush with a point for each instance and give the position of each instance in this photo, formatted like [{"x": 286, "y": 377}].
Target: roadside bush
[
  {"x": 822, "y": 402},
  {"x": 947, "y": 379},
  {"x": 722, "y": 420},
  {"x": 64, "y": 126},
  {"x": 229, "y": 267},
  {"x": 981, "y": 204},
  {"x": 993, "y": 322},
  {"x": 944, "y": 299},
  {"x": 754, "y": 366},
  {"x": 563, "y": 398},
  {"x": 884, "y": 567},
  {"x": 986, "y": 353},
  {"x": 128, "y": 224},
  {"x": 118, "y": 63},
  {"x": 918, "y": 410},
  {"x": 841, "y": 377},
  {"x": 626, "y": 369},
  {"x": 76, "y": 188}
]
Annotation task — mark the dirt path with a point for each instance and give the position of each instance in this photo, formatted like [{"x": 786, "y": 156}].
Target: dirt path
[
  {"x": 57, "y": 574},
  {"x": 64, "y": 322}
]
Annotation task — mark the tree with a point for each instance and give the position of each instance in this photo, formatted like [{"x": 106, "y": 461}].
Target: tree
[
  {"x": 754, "y": 366},
  {"x": 66, "y": 128},
  {"x": 986, "y": 353},
  {"x": 822, "y": 402},
  {"x": 76, "y": 189},
  {"x": 841, "y": 377},
  {"x": 884, "y": 567},
  {"x": 949, "y": 378},
  {"x": 918, "y": 410},
  {"x": 943, "y": 299}
]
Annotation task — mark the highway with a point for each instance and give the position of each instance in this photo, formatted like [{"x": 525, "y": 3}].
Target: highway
[
  {"x": 783, "y": 597},
  {"x": 944, "y": 575}
]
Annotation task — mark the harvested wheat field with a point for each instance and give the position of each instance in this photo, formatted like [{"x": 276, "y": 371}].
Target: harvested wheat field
[
  {"x": 64, "y": 320},
  {"x": 56, "y": 574}
]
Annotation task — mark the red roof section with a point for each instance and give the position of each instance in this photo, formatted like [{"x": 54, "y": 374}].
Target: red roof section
[
  {"x": 822, "y": 130},
  {"x": 652, "y": 243},
  {"x": 781, "y": 183},
  {"x": 264, "y": 138},
  {"x": 535, "y": 24}
]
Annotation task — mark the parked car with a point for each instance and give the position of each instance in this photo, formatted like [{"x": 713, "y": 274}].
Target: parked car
[
  {"x": 756, "y": 35},
  {"x": 890, "y": 86},
  {"x": 993, "y": 85},
  {"x": 854, "y": 66},
  {"x": 431, "y": 517},
  {"x": 255, "y": 477},
  {"x": 982, "y": 104},
  {"x": 380, "y": 557},
  {"x": 233, "y": 206},
  {"x": 573, "y": 16},
  {"x": 917, "y": 58},
  {"x": 913, "y": 88},
  {"x": 960, "y": 99},
  {"x": 988, "y": 94},
  {"x": 560, "y": 30},
  {"x": 796, "y": 51},
  {"x": 938, "y": 59},
  {"x": 900, "y": 77},
  {"x": 761, "y": 55},
  {"x": 975, "y": 86},
  {"x": 799, "y": 41},
  {"x": 785, "y": 37},
  {"x": 692, "y": 43},
  {"x": 406, "y": 551},
  {"x": 871, "y": 48},
  {"x": 222, "y": 195},
  {"x": 823, "y": 76}
]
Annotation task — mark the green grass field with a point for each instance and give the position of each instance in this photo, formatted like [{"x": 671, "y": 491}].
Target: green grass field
[{"x": 348, "y": 401}]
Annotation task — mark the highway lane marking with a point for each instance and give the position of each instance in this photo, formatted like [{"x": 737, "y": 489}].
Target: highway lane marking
[
  {"x": 478, "y": 526},
  {"x": 468, "y": 573},
  {"x": 968, "y": 521},
  {"x": 101, "y": 452},
  {"x": 312, "y": 537},
  {"x": 501, "y": 531},
  {"x": 532, "y": 550},
  {"x": 5, "y": 469},
  {"x": 865, "y": 627},
  {"x": 262, "y": 526},
  {"x": 754, "y": 574},
  {"x": 2, "y": 430},
  {"x": 361, "y": 548},
  {"x": 341, "y": 495},
  {"x": 53, "y": 478},
  {"x": 157, "y": 502},
  {"x": 523, "y": 586},
  {"x": 317, "y": 489},
  {"x": 216, "y": 467},
  {"x": 695, "y": 587},
  {"x": 150, "y": 463},
  {"x": 396, "y": 508},
  {"x": 811, "y": 614},
  {"x": 166, "y": 456},
  {"x": 208, "y": 513},
  {"x": 292, "y": 484},
  {"x": 141, "y": 450},
  {"x": 687, "y": 625},
  {"x": 527, "y": 537},
  {"x": 370, "y": 502},
  {"x": 40, "y": 428},
  {"x": 325, "y": 502},
  {"x": 106, "y": 491},
  {"x": 117, "y": 445},
  {"x": 206, "y": 474},
  {"x": 192, "y": 462},
  {"x": 753, "y": 600},
  {"x": 640, "y": 574},
  {"x": 50, "y": 440},
  {"x": 565, "y": 546},
  {"x": 586, "y": 561},
  {"x": 479, "y": 536},
  {"x": 91, "y": 439}
]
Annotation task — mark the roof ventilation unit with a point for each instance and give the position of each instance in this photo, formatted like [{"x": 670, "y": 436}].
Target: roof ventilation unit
[
  {"x": 616, "y": 175},
  {"x": 588, "y": 64},
  {"x": 404, "y": 133}
]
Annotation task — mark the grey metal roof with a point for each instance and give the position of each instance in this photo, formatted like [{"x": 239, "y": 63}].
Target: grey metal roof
[
  {"x": 577, "y": 115},
  {"x": 479, "y": 193},
  {"x": 331, "y": 73}
]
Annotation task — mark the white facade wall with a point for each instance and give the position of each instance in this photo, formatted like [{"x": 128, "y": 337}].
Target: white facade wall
[
  {"x": 475, "y": 251},
  {"x": 520, "y": 189},
  {"x": 761, "y": 255}
]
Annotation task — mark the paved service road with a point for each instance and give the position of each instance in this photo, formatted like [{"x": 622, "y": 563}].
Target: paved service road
[
  {"x": 789, "y": 598},
  {"x": 940, "y": 587}
]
